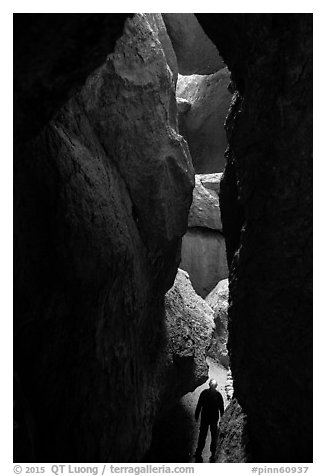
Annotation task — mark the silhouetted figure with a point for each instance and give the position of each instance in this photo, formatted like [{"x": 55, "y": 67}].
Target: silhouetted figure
[{"x": 211, "y": 406}]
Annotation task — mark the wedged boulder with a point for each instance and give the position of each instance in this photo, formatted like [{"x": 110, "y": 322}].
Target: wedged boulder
[
  {"x": 203, "y": 256},
  {"x": 102, "y": 199},
  {"x": 217, "y": 299},
  {"x": 196, "y": 53},
  {"x": 190, "y": 326},
  {"x": 203, "y": 247},
  {"x": 211, "y": 181},
  {"x": 202, "y": 125},
  {"x": 205, "y": 208}
]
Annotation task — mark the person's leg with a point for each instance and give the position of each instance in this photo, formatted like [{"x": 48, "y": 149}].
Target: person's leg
[
  {"x": 213, "y": 428},
  {"x": 202, "y": 436}
]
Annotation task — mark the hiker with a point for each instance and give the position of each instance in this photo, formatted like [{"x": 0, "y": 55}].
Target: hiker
[{"x": 211, "y": 406}]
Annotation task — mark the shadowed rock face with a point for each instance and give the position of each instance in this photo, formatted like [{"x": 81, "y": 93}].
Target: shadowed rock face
[
  {"x": 53, "y": 55},
  {"x": 266, "y": 206},
  {"x": 102, "y": 198},
  {"x": 202, "y": 122},
  {"x": 195, "y": 52}
]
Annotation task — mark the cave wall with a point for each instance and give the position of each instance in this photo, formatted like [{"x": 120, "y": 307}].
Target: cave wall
[
  {"x": 202, "y": 122},
  {"x": 70, "y": 277},
  {"x": 266, "y": 207},
  {"x": 202, "y": 91},
  {"x": 195, "y": 52},
  {"x": 232, "y": 443},
  {"x": 102, "y": 194}
]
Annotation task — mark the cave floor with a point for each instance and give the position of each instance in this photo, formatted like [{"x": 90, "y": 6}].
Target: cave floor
[{"x": 175, "y": 439}]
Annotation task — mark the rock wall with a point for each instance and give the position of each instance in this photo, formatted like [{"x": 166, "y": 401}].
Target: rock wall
[
  {"x": 203, "y": 253},
  {"x": 202, "y": 122},
  {"x": 190, "y": 327},
  {"x": 202, "y": 91},
  {"x": 232, "y": 444},
  {"x": 196, "y": 53},
  {"x": 217, "y": 299},
  {"x": 101, "y": 198},
  {"x": 266, "y": 206}
]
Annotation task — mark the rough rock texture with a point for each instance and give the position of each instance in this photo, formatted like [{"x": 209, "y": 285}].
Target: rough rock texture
[
  {"x": 101, "y": 202},
  {"x": 217, "y": 299},
  {"x": 266, "y": 205},
  {"x": 205, "y": 208},
  {"x": 202, "y": 124},
  {"x": 219, "y": 295},
  {"x": 232, "y": 444},
  {"x": 157, "y": 24},
  {"x": 190, "y": 327},
  {"x": 211, "y": 181},
  {"x": 203, "y": 256},
  {"x": 195, "y": 52},
  {"x": 229, "y": 390}
]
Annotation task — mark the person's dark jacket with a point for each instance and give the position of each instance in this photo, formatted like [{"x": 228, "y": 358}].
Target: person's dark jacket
[{"x": 210, "y": 404}]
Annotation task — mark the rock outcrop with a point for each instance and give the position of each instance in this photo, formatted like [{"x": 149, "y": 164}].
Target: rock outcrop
[
  {"x": 232, "y": 443},
  {"x": 203, "y": 253},
  {"x": 202, "y": 123},
  {"x": 102, "y": 198},
  {"x": 157, "y": 24},
  {"x": 218, "y": 301},
  {"x": 218, "y": 297},
  {"x": 190, "y": 328},
  {"x": 196, "y": 53},
  {"x": 266, "y": 207}
]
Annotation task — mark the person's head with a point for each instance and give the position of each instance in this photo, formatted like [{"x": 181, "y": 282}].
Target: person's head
[{"x": 212, "y": 384}]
